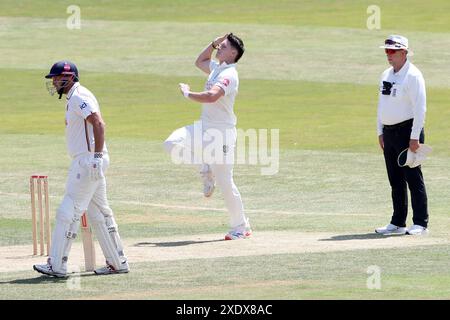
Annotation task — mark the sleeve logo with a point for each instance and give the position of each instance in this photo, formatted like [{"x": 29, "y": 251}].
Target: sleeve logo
[
  {"x": 225, "y": 82},
  {"x": 83, "y": 105}
]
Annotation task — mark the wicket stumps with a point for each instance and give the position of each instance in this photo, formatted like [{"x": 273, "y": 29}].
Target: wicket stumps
[{"x": 39, "y": 185}]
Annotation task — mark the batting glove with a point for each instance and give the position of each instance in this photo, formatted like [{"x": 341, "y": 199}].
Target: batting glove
[{"x": 96, "y": 167}]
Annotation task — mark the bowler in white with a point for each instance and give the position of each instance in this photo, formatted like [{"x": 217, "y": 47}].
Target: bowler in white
[{"x": 215, "y": 134}]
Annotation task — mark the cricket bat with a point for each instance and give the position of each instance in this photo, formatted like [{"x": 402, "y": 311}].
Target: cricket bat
[{"x": 88, "y": 244}]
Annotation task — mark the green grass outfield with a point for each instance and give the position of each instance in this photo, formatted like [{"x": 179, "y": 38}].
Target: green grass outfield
[{"x": 311, "y": 70}]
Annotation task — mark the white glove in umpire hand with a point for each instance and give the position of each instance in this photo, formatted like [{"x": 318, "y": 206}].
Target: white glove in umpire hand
[{"x": 96, "y": 167}]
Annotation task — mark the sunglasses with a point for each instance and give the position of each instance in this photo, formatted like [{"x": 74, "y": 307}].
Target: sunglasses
[
  {"x": 393, "y": 43},
  {"x": 390, "y": 42},
  {"x": 391, "y": 51}
]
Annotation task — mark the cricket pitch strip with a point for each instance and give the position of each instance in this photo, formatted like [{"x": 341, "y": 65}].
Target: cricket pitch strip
[{"x": 207, "y": 246}]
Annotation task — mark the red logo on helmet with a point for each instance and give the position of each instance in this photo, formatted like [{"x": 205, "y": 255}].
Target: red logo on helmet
[
  {"x": 225, "y": 82},
  {"x": 67, "y": 67}
]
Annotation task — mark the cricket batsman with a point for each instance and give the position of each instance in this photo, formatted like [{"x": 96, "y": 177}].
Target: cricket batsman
[
  {"x": 86, "y": 183},
  {"x": 217, "y": 116}
]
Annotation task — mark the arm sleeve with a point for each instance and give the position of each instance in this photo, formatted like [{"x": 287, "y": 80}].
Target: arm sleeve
[
  {"x": 379, "y": 124},
  {"x": 417, "y": 94},
  {"x": 227, "y": 82},
  {"x": 84, "y": 107}
]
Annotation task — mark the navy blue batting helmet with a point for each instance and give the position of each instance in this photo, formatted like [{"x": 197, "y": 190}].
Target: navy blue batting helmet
[{"x": 63, "y": 67}]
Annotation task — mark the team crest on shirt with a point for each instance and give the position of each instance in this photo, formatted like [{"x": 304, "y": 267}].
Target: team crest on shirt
[
  {"x": 83, "y": 105},
  {"x": 225, "y": 82}
]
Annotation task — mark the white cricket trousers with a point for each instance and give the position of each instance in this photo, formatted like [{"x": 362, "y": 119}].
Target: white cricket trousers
[
  {"x": 81, "y": 195},
  {"x": 185, "y": 139},
  {"x": 83, "y": 191}
]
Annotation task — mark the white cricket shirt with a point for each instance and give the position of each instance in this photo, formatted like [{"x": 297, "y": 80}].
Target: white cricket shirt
[
  {"x": 81, "y": 103},
  {"x": 406, "y": 100},
  {"x": 220, "y": 113}
]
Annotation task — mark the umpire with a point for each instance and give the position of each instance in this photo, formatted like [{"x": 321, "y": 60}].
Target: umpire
[{"x": 401, "y": 118}]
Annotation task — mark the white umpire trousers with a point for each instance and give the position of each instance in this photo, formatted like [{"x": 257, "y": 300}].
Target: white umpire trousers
[{"x": 186, "y": 139}]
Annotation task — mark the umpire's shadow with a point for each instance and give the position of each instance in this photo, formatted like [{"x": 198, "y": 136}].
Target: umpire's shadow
[
  {"x": 173, "y": 243},
  {"x": 363, "y": 236}
]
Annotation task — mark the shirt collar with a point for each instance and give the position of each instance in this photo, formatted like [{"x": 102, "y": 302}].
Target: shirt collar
[
  {"x": 403, "y": 70},
  {"x": 69, "y": 94},
  {"x": 225, "y": 65}
]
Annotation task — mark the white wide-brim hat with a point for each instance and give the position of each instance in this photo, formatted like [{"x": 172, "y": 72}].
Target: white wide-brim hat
[
  {"x": 413, "y": 159},
  {"x": 397, "y": 42}
]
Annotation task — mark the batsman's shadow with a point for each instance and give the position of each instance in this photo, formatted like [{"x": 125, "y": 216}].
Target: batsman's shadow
[
  {"x": 48, "y": 279},
  {"x": 174, "y": 243},
  {"x": 363, "y": 236},
  {"x": 35, "y": 280}
]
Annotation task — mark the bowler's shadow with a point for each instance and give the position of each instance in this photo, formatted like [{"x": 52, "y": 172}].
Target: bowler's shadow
[
  {"x": 173, "y": 243},
  {"x": 363, "y": 236}
]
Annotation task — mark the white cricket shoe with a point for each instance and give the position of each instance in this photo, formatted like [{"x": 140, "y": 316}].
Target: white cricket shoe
[
  {"x": 109, "y": 269},
  {"x": 391, "y": 229},
  {"x": 209, "y": 184},
  {"x": 47, "y": 270},
  {"x": 417, "y": 230},
  {"x": 241, "y": 232}
]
